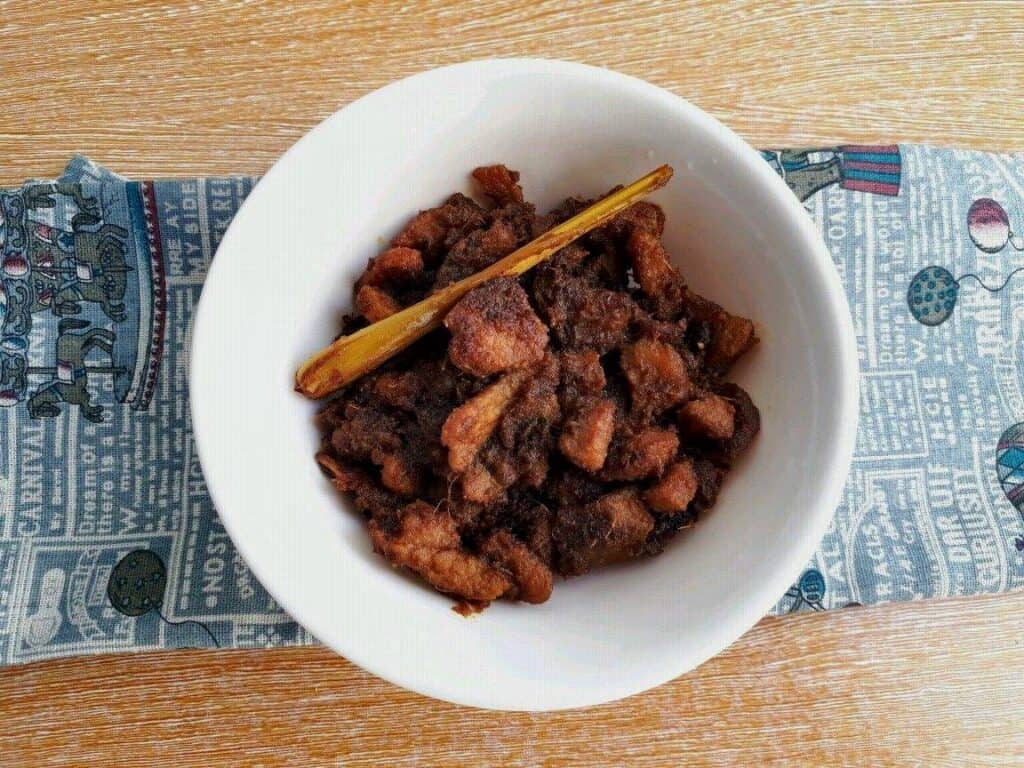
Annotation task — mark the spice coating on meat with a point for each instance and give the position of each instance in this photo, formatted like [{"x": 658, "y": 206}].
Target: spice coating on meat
[
  {"x": 656, "y": 276},
  {"x": 429, "y": 230},
  {"x": 730, "y": 336},
  {"x": 657, "y": 376},
  {"x": 374, "y": 304},
  {"x": 396, "y": 266},
  {"x": 499, "y": 183},
  {"x": 477, "y": 250},
  {"x": 610, "y": 529},
  {"x": 641, "y": 454},
  {"x": 712, "y": 417},
  {"x": 568, "y": 418},
  {"x": 533, "y": 580},
  {"x": 675, "y": 491},
  {"x": 427, "y": 542},
  {"x": 587, "y": 434},
  {"x": 494, "y": 328},
  {"x": 469, "y": 425}
]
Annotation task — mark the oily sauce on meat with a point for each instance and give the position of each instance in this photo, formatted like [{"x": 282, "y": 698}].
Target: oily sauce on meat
[{"x": 573, "y": 417}]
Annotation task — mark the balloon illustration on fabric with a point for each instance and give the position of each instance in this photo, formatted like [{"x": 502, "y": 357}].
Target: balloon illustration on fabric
[
  {"x": 989, "y": 227},
  {"x": 933, "y": 292},
  {"x": 1010, "y": 468},
  {"x": 136, "y": 587}
]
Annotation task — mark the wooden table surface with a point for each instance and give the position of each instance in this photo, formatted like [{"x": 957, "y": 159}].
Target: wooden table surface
[{"x": 207, "y": 88}]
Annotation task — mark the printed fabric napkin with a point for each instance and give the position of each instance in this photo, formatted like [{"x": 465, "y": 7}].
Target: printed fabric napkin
[{"x": 109, "y": 541}]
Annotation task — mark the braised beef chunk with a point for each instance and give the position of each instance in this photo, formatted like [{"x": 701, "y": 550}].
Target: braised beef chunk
[
  {"x": 639, "y": 217},
  {"x": 572, "y": 417},
  {"x": 729, "y": 336},
  {"x": 711, "y": 416},
  {"x": 657, "y": 376},
  {"x": 499, "y": 183},
  {"x": 675, "y": 491},
  {"x": 531, "y": 578},
  {"x": 612, "y": 528},
  {"x": 429, "y": 230},
  {"x": 494, "y": 328},
  {"x": 396, "y": 266},
  {"x": 582, "y": 375},
  {"x": 468, "y": 427},
  {"x": 427, "y": 541},
  {"x": 746, "y": 419},
  {"x": 398, "y": 389},
  {"x": 658, "y": 279},
  {"x": 374, "y": 304},
  {"x": 525, "y": 438},
  {"x": 638, "y": 454},
  {"x": 365, "y": 430},
  {"x": 587, "y": 434},
  {"x": 581, "y": 315}
]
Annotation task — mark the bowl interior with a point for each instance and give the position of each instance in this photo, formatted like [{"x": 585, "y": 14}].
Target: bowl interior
[{"x": 284, "y": 273}]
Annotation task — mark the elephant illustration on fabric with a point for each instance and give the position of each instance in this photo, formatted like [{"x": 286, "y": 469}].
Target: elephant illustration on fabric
[
  {"x": 86, "y": 210},
  {"x": 95, "y": 271},
  {"x": 70, "y": 287},
  {"x": 13, "y": 370},
  {"x": 70, "y": 380}
]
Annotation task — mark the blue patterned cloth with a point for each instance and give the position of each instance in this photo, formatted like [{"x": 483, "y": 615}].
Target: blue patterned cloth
[{"x": 109, "y": 540}]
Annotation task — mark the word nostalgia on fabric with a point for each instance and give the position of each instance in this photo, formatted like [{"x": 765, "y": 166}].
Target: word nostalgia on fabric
[{"x": 109, "y": 540}]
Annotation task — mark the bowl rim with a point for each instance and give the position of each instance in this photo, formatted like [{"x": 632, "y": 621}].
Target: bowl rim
[{"x": 762, "y": 595}]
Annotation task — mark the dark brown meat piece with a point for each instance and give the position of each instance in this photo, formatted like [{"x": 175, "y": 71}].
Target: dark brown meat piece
[
  {"x": 499, "y": 183},
  {"x": 396, "y": 266},
  {"x": 613, "y": 528},
  {"x": 365, "y": 430},
  {"x": 468, "y": 427},
  {"x": 344, "y": 477},
  {"x": 672, "y": 333},
  {"x": 426, "y": 541},
  {"x": 494, "y": 328},
  {"x": 675, "y": 491},
  {"x": 429, "y": 229},
  {"x": 731, "y": 336},
  {"x": 642, "y": 216},
  {"x": 479, "y": 485},
  {"x": 711, "y": 416},
  {"x": 537, "y": 533},
  {"x": 657, "y": 377},
  {"x": 657, "y": 277},
  {"x": 524, "y": 441},
  {"x": 582, "y": 375},
  {"x": 747, "y": 420},
  {"x": 532, "y": 579},
  {"x": 588, "y": 433},
  {"x": 371, "y": 499},
  {"x": 398, "y": 389},
  {"x": 398, "y": 474},
  {"x": 374, "y": 304},
  {"x": 477, "y": 250},
  {"x": 641, "y": 454},
  {"x": 582, "y": 316},
  {"x": 570, "y": 486}
]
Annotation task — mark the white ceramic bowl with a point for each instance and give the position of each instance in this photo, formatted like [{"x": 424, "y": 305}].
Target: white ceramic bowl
[{"x": 285, "y": 270}]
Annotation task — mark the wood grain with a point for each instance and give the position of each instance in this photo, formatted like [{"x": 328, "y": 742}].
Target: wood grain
[
  {"x": 170, "y": 88},
  {"x": 931, "y": 684},
  {"x": 212, "y": 88}
]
